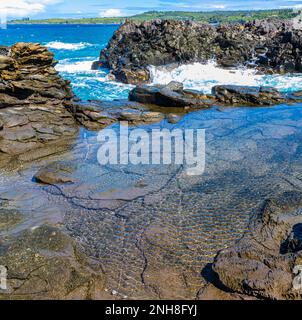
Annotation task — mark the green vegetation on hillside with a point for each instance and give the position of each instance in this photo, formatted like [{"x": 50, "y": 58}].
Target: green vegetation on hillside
[
  {"x": 216, "y": 16},
  {"x": 212, "y": 17}
]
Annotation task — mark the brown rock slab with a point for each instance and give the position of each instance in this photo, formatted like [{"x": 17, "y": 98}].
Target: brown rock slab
[
  {"x": 262, "y": 263},
  {"x": 9, "y": 218},
  {"x": 55, "y": 173},
  {"x": 45, "y": 263}
]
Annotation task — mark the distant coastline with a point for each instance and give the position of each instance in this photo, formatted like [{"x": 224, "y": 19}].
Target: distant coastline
[
  {"x": 34, "y": 23},
  {"x": 211, "y": 17}
]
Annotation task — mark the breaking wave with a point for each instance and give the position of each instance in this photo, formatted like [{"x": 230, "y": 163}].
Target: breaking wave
[
  {"x": 91, "y": 84},
  {"x": 70, "y": 66},
  {"x": 94, "y": 84},
  {"x": 204, "y": 76},
  {"x": 67, "y": 46}
]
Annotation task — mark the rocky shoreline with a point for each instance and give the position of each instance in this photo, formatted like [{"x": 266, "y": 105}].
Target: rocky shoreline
[
  {"x": 174, "y": 95},
  {"x": 273, "y": 46},
  {"x": 39, "y": 111},
  {"x": 40, "y": 116},
  {"x": 262, "y": 263},
  {"x": 38, "y": 108},
  {"x": 33, "y": 102}
]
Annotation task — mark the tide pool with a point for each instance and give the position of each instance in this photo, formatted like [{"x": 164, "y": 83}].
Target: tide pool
[{"x": 155, "y": 226}]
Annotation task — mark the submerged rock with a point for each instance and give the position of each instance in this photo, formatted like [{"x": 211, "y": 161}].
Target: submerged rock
[
  {"x": 273, "y": 45},
  {"x": 96, "y": 115},
  {"x": 9, "y": 218},
  {"x": 55, "y": 173},
  {"x": 44, "y": 263},
  {"x": 262, "y": 264},
  {"x": 173, "y": 118}
]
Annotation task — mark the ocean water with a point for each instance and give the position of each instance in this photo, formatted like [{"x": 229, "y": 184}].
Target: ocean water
[{"x": 77, "y": 46}]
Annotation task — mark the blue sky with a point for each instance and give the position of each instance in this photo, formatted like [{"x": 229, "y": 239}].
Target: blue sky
[{"x": 94, "y": 8}]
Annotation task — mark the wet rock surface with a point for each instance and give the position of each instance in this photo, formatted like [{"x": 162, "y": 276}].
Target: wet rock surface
[
  {"x": 55, "y": 173},
  {"x": 258, "y": 96},
  {"x": 262, "y": 263},
  {"x": 271, "y": 44},
  {"x": 33, "y": 100},
  {"x": 96, "y": 115},
  {"x": 44, "y": 263},
  {"x": 173, "y": 95},
  {"x": 153, "y": 229},
  {"x": 9, "y": 218},
  {"x": 146, "y": 231}
]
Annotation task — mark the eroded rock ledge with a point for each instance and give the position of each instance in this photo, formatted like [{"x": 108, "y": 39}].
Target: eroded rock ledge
[
  {"x": 273, "y": 45},
  {"x": 174, "y": 95},
  {"x": 262, "y": 263},
  {"x": 33, "y": 101}
]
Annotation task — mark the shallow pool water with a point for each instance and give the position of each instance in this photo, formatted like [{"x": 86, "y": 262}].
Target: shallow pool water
[{"x": 154, "y": 228}]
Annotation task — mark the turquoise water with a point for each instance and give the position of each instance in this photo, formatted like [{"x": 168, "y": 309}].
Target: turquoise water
[{"x": 77, "y": 46}]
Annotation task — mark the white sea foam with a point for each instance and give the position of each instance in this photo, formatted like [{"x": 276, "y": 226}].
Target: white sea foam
[
  {"x": 69, "y": 66},
  {"x": 91, "y": 84},
  {"x": 67, "y": 46},
  {"x": 204, "y": 76},
  {"x": 82, "y": 68},
  {"x": 195, "y": 76}
]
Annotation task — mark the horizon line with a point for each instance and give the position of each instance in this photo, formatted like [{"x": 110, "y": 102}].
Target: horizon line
[{"x": 156, "y": 11}]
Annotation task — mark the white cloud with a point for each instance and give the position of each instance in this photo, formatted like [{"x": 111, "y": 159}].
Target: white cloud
[
  {"x": 200, "y": 6},
  {"x": 22, "y": 8},
  {"x": 218, "y": 6},
  {"x": 295, "y": 7},
  {"x": 111, "y": 13}
]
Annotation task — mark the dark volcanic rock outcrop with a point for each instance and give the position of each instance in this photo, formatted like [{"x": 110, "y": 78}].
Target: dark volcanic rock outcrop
[
  {"x": 267, "y": 261},
  {"x": 257, "y": 96},
  {"x": 33, "y": 100},
  {"x": 273, "y": 45},
  {"x": 173, "y": 95},
  {"x": 168, "y": 96}
]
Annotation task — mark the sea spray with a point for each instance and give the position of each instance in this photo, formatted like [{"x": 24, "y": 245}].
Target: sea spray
[
  {"x": 203, "y": 77},
  {"x": 58, "y": 45},
  {"x": 74, "y": 66}
]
